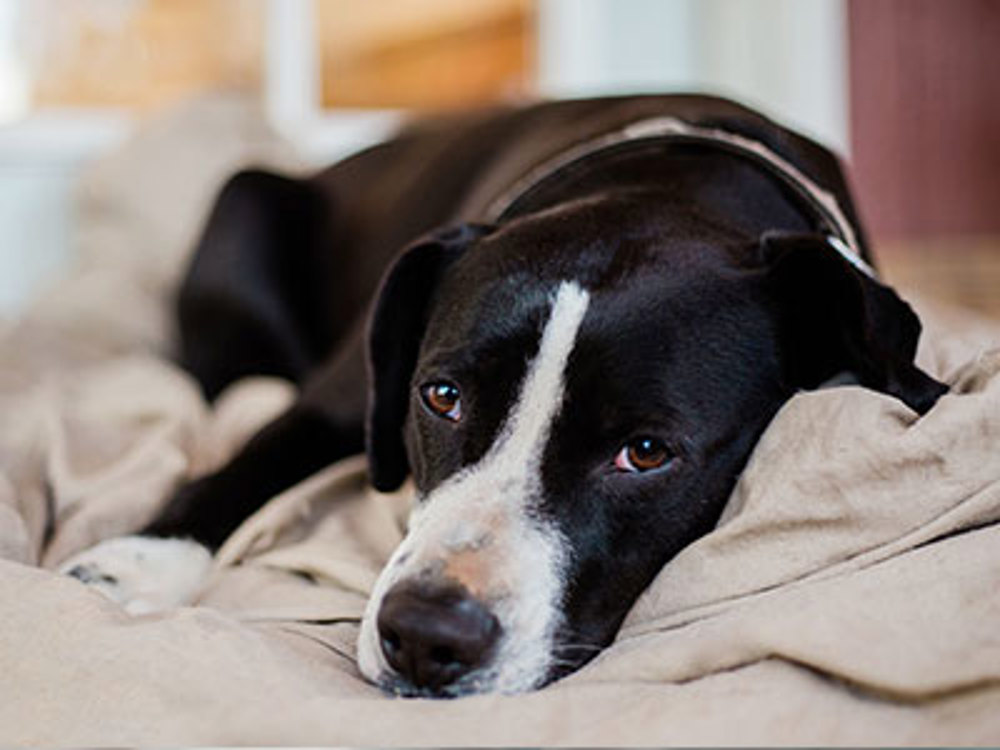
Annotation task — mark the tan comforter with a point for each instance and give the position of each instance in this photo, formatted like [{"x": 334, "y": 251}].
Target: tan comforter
[{"x": 850, "y": 595}]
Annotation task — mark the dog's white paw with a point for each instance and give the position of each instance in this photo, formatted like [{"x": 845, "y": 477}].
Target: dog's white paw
[{"x": 143, "y": 574}]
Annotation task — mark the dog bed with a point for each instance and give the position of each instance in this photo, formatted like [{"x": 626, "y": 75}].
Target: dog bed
[{"x": 850, "y": 594}]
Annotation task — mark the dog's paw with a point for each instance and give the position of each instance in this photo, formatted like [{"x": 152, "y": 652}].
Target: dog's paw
[{"x": 143, "y": 574}]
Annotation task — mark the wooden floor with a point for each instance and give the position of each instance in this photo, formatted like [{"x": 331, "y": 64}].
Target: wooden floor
[{"x": 960, "y": 272}]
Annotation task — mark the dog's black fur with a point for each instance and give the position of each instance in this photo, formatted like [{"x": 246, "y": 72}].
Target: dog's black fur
[{"x": 714, "y": 299}]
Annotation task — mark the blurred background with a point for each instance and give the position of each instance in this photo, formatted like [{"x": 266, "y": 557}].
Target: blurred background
[{"x": 908, "y": 91}]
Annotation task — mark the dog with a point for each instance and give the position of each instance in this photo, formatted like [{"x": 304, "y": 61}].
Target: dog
[{"x": 598, "y": 308}]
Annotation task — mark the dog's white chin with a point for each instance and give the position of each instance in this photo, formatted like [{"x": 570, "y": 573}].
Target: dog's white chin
[{"x": 507, "y": 673}]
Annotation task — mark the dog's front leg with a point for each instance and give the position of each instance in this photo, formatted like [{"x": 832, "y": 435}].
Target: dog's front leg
[
  {"x": 295, "y": 445},
  {"x": 166, "y": 564}
]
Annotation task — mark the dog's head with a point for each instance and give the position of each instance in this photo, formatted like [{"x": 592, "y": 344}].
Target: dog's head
[{"x": 574, "y": 395}]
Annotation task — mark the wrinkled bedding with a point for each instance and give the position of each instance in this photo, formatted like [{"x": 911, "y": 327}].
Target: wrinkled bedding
[{"x": 850, "y": 594}]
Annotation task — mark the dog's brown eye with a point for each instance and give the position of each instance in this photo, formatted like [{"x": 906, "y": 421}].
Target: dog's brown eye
[
  {"x": 642, "y": 454},
  {"x": 444, "y": 400}
]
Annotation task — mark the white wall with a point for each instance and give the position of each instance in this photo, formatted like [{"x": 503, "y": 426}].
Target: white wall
[
  {"x": 40, "y": 161},
  {"x": 786, "y": 57}
]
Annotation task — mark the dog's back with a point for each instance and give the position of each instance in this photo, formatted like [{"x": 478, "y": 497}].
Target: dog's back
[{"x": 286, "y": 267}]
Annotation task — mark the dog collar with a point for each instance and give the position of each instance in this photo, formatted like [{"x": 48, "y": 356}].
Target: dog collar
[{"x": 840, "y": 234}]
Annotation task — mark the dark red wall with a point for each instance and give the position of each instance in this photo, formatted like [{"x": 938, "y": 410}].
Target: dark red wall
[{"x": 925, "y": 116}]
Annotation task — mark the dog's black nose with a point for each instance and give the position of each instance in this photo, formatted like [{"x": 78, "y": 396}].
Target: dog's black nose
[{"x": 433, "y": 634}]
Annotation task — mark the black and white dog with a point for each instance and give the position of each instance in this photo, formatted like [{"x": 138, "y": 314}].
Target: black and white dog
[{"x": 600, "y": 307}]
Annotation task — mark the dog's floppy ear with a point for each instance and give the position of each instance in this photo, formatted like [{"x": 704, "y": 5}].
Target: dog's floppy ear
[
  {"x": 835, "y": 317},
  {"x": 395, "y": 331}
]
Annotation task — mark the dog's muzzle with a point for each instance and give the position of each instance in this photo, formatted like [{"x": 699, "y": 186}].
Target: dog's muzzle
[{"x": 433, "y": 634}]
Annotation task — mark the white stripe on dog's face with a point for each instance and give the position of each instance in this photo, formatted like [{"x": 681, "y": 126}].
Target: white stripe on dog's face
[{"x": 478, "y": 528}]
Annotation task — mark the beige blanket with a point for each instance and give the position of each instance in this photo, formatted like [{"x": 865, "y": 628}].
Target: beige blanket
[{"x": 851, "y": 593}]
